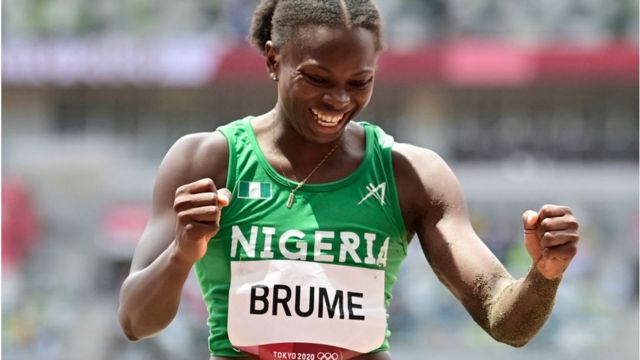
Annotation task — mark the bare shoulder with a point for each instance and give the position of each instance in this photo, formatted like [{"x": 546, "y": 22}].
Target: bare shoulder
[
  {"x": 423, "y": 160},
  {"x": 199, "y": 155},
  {"x": 191, "y": 158},
  {"x": 424, "y": 180}
]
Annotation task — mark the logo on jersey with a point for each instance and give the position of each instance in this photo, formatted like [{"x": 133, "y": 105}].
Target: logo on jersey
[
  {"x": 375, "y": 191},
  {"x": 254, "y": 190}
]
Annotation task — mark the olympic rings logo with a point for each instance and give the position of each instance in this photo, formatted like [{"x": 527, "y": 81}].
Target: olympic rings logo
[{"x": 328, "y": 356}]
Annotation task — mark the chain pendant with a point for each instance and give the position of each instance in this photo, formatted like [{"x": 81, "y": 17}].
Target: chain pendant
[{"x": 290, "y": 200}]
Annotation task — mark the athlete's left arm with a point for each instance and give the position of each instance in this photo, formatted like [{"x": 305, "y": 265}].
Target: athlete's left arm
[{"x": 511, "y": 311}]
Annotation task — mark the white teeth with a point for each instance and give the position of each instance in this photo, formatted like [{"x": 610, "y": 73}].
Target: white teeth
[{"x": 327, "y": 119}]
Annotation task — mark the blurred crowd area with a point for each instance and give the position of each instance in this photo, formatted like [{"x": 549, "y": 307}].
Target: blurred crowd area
[
  {"x": 407, "y": 21},
  {"x": 529, "y": 102}
]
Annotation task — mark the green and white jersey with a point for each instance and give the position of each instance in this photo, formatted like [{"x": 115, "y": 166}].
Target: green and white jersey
[{"x": 311, "y": 281}]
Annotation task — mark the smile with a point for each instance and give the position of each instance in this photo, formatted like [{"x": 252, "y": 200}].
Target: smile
[{"x": 325, "y": 119}]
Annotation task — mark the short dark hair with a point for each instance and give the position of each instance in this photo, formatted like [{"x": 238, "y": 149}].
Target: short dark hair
[{"x": 276, "y": 20}]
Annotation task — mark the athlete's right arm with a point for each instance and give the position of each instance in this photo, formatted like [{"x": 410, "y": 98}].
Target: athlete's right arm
[{"x": 184, "y": 216}]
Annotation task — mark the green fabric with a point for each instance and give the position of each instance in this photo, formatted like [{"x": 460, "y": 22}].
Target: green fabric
[{"x": 354, "y": 204}]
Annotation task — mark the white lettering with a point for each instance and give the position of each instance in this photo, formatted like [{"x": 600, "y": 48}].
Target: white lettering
[
  {"x": 268, "y": 232},
  {"x": 293, "y": 246},
  {"x": 318, "y": 246},
  {"x": 370, "y": 237},
  {"x": 249, "y": 246},
  {"x": 382, "y": 255},
  {"x": 301, "y": 245},
  {"x": 350, "y": 243}
]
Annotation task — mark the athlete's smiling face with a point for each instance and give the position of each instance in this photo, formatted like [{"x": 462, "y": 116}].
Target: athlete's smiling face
[{"x": 325, "y": 77}]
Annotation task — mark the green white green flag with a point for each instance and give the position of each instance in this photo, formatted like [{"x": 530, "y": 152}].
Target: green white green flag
[{"x": 254, "y": 190}]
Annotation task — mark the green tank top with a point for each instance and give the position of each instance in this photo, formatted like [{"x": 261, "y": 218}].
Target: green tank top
[{"x": 307, "y": 281}]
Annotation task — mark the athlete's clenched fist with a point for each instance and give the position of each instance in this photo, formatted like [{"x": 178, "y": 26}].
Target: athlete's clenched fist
[
  {"x": 198, "y": 206},
  {"x": 551, "y": 238}
]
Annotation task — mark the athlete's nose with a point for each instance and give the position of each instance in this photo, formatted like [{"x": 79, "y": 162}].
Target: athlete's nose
[{"x": 337, "y": 98}]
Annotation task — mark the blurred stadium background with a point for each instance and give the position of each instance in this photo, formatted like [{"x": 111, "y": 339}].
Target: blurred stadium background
[{"x": 530, "y": 102}]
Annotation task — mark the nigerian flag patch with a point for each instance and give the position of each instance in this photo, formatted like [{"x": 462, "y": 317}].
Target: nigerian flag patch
[{"x": 254, "y": 190}]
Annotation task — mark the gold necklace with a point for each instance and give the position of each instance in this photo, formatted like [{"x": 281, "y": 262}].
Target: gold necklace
[{"x": 304, "y": 181}]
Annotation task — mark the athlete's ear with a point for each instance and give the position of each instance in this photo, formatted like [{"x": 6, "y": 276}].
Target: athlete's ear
[{"x": 272, "y": 58}]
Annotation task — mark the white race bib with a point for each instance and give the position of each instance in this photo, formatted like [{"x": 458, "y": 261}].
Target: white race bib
[{"x": 286, "y": 309}]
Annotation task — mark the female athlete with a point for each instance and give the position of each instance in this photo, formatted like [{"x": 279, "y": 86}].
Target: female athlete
[{"x": 296, "y": 221}]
